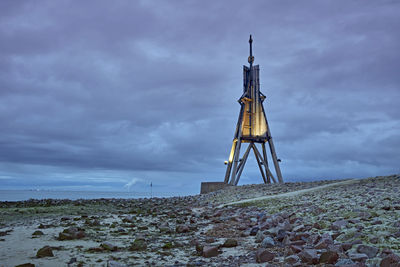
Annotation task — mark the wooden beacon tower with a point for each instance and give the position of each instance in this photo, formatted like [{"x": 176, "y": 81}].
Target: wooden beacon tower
[{"x": 252, "y": 128}]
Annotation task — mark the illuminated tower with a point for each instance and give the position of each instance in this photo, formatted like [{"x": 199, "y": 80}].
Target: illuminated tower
[{"x": 252, "y": 128}]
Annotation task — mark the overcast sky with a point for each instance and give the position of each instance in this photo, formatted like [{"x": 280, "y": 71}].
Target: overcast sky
[{"x": 113, "y": 95}]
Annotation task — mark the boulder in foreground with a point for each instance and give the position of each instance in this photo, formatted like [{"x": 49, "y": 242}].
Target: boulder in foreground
[
  {"x": 263, "y": 255},
  {"x": 45, "y": 251}
]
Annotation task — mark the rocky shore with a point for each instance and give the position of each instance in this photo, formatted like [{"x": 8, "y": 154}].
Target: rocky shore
[{"x": 324, "y": 223}]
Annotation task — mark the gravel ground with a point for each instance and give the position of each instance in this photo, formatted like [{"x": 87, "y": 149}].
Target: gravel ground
[{"x": 356, "y": 223}]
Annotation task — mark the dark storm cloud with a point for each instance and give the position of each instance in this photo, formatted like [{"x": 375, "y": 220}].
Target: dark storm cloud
[{"x": 101, "y": 93}]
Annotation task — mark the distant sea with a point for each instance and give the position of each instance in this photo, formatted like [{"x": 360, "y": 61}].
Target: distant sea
[{"x": 19, "y": 195}]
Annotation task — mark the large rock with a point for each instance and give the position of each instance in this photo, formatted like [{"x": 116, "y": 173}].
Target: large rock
[
  {"x": 268, "y": 242},
  {"x": 199, "y": 248},
  {"x": 345, "y": 262},
  {"x": 129, "y": 219},
  {"x": 371, "y": 252},
  {"x": 309, "y": 256},
  {"x": 281, "y": 234},
  {"x": 358, "y": 257},
  {"x": 313, "y": 239},
  {"x": 210, "y": 251},
  {"x": 292, "y": 259},
  {"x": 263, "y": 255},
  {"x": 45, "y": 251},
  {"x": 37, "y": 233},
  {"x": 230, "y": 243},
  {"x": 108, "y": 246},
  {"x": 254, "y": 230},
  {"x": 329, "y": 257},
  {"x": 25, "y": 265},
  {"x": 295, "y": 249},
  {"x": 259, "y": 237},
  {"x": 391, "y": 260},
  {"x": 324, "y": 243},
  {"x": 112, "y": 263},
  {"x": 337, "y": 225},
  {"x": 336, "y": 248},
  {"x": 65, "y": 236},
  {"x": 265, "y": 225},
  {"x": 298, "y": 228},
  {"x": 138, "y": 245},
  {"x": 285, "y": 225},
  {"x": 182, "y": 228},
  {"x": 346, "y": 246},
  {"x": 71, "y": 233},
  {"x": 301, "y": 237}
]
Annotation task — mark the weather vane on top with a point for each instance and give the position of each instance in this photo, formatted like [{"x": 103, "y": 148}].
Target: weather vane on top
[
  {"x": 251, "y": 58},
  {"x": 252, "y": 128}
]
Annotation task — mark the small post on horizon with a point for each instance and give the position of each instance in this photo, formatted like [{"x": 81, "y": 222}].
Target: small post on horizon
[{"x": 151, "y": 189}]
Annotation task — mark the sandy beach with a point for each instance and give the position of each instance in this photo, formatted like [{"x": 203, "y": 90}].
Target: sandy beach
[{"x": 353, "y": 222}]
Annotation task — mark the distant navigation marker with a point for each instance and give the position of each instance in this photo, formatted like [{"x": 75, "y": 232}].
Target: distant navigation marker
[{"x": 252, "y": 128}]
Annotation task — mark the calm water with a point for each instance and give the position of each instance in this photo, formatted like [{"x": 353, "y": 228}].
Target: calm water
[{"x": 17, "y": 195}]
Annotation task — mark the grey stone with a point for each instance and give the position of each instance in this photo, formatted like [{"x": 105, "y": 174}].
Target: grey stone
[
  {"x": 259, "y": 237},
  {"x": 295, "y": 249},
  {"x": 183, "y": 228},
  {"x": 138, "y": 245},
  {"x": 338, "y": 224},
  {"x": 45, "y": 251},
  {"x": 285, "y": 225},
  {"x": 108, "y": 246},
  {"x": 324, "y": 243},
  {"x": 391, "y": 260},
  {"x": 263, "y": 255},
  {"x": 358, "y": 256},
  {"x": 230, "y": 243},
  {"x": 210, "y": 251},
  {"x": 37, "y": 233},
  {"x": 254, "y": 231},
  {"x": 329, "y": 257},
  {"x": 346, "y": 246},
  {"x": 267, "y": 242},
  {"x": 309, "y": 256},
  {"x": 292, "y": 259},
  {"x": 371, "y": 252},
  {"x": 71, "y": 233},
  {"x": 281, "y": 234},
  {"x": 129, "y": 219},
  {"x": 115, "y": 264},
  {"x": 342, "y": 262},
  {"x": 298, "y": 228}
]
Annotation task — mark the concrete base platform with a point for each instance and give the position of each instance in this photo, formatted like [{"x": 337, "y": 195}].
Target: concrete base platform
[{"x": 207, "y": 187}]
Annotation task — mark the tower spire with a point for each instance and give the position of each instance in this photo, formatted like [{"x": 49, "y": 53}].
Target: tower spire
[{"x": 251, "y": 58}]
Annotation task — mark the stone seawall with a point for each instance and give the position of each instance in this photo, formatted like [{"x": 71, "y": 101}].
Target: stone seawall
[{"x": 207, "y": 187}]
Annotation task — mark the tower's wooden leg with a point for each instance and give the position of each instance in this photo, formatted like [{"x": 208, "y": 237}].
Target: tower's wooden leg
[
  {"x": 235, "y": 162},
  {"x": 266, "y": 161},
  {"x": 229, "y": 167},
  {"x": 241, "y": 165},
  {"x": 259, "y": 161},
  {"x": 267, "y": 169},
  {"x": 275, "y": 160},
  {"x": 272, "y": 148},
  {"x": 243, "y": 160}
]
